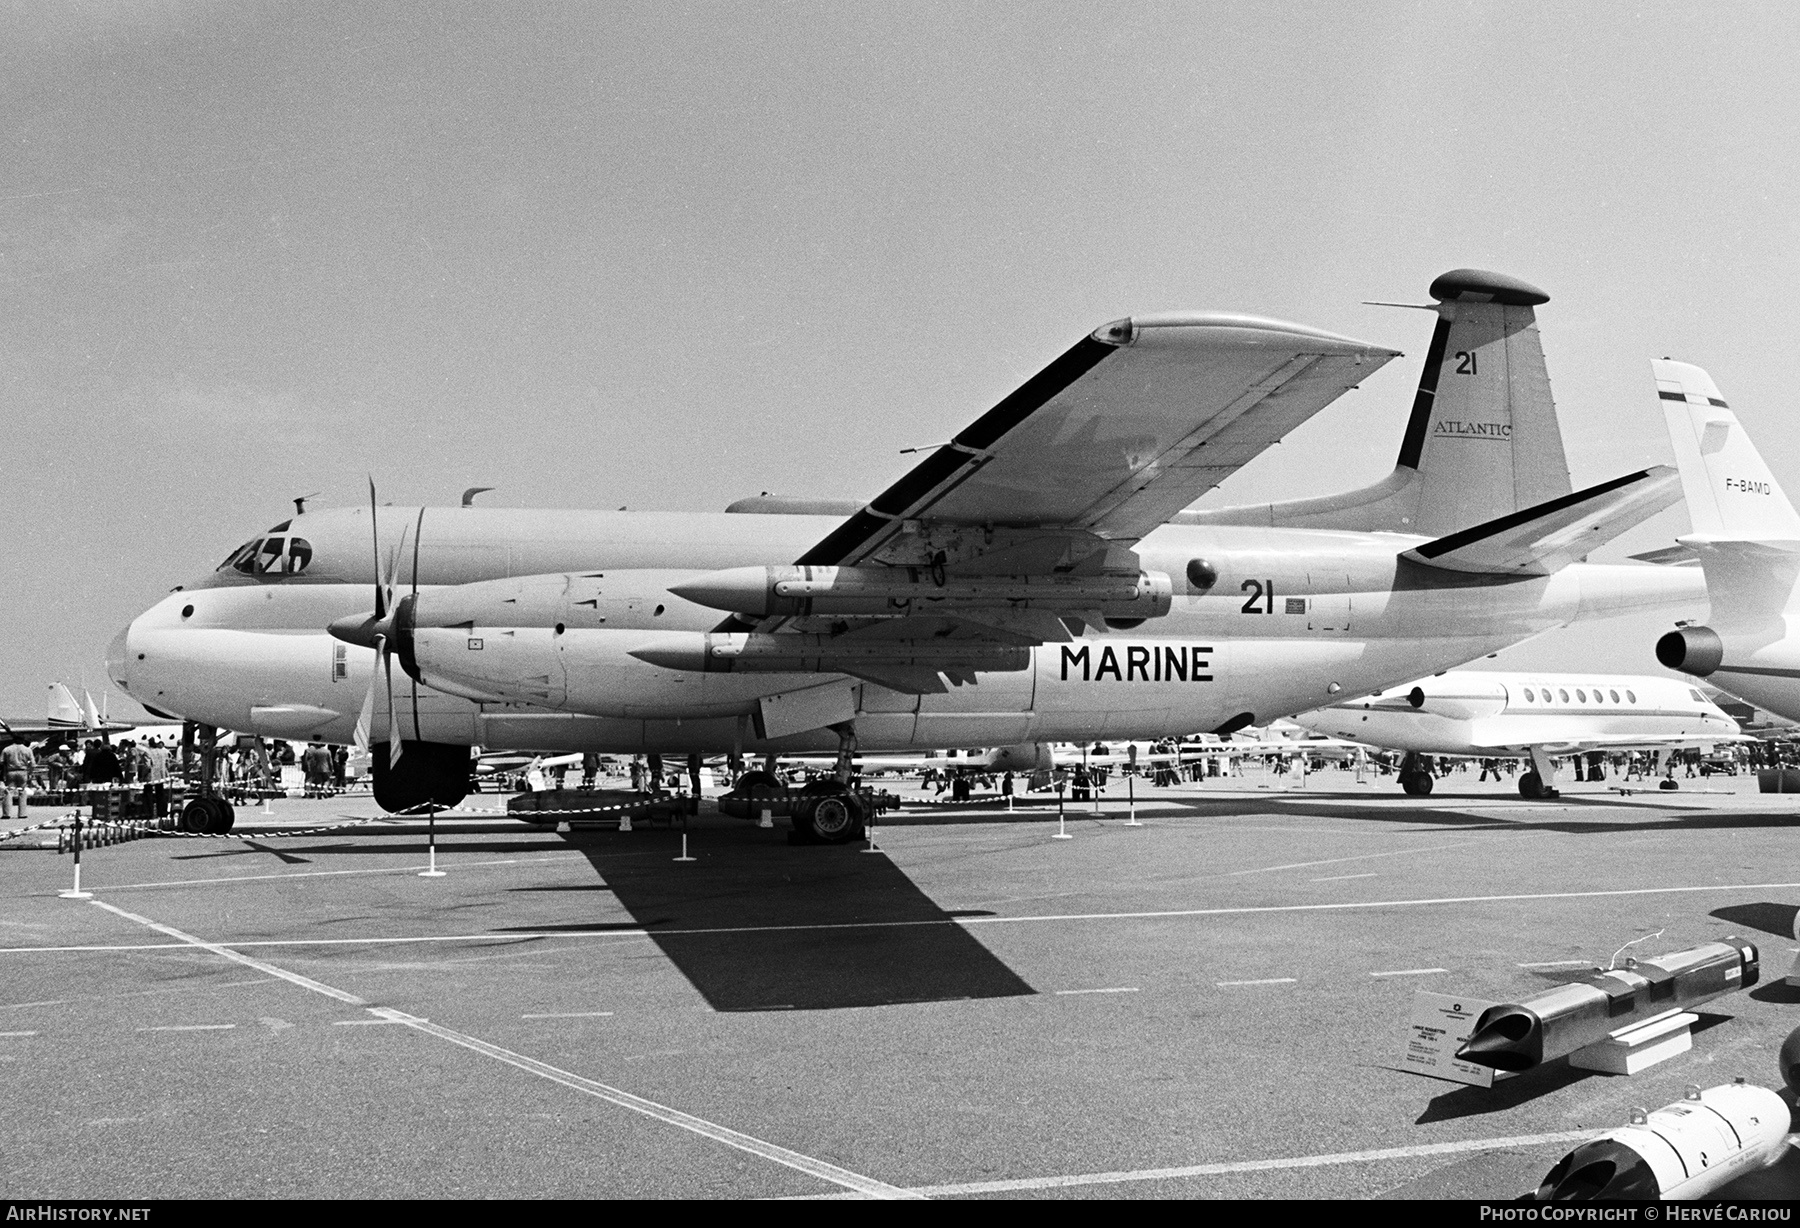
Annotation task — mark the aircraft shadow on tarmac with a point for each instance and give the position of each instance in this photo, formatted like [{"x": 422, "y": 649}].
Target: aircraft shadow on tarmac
[
  {"x": 1706, "y": 820},
  {"x": 1524, "y": 1087},
  {"x": 756, "y": 924}
]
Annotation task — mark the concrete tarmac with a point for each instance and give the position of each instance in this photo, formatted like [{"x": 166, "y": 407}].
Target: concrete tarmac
[{"x": 1208, "y": 1005}]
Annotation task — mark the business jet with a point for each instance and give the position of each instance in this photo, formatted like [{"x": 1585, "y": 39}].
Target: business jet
[
  {"x": 1746, "y": 537},
  {"x": 1530, "y": 716},
  {"x": 1033, "y": 580},
  {"x": 63, "y": 717}
]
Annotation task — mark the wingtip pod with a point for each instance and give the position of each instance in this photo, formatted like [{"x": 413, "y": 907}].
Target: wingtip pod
[
  {"x": 1218, "y": 327},
  {"x": 1483, "y": 286}
]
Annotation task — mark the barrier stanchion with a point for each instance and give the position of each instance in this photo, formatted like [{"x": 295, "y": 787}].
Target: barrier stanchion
[
  {"x": 75, "y": 892},
  {"x": 870, "y": 832},
  {"x": 1062, "y": 828},
  {"x": 431, "y": 843},
  {"x": 684, "y": 853},
  {"x": 1131, "y": 819}
]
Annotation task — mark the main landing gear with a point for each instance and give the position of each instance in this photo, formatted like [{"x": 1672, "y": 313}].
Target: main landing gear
[
  {"x": 829, "y": 810},
  {"x": 1540, "y": 781},
  {"x": 1416, "y": 776}
]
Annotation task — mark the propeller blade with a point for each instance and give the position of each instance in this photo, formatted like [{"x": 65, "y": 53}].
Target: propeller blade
[
  {"x": 387, "y": 662},
  {"x": 375, "y": 541},
  {"x": 366, "y": 718}
]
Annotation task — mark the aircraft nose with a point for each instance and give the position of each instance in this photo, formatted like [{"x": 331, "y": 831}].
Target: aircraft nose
[{"x": 118, "y": 660}]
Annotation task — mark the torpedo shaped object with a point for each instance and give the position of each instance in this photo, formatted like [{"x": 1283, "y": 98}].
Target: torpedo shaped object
[
  {"x": 1689, "y": 1149},
  {"x": 1517, "y": 1036}
]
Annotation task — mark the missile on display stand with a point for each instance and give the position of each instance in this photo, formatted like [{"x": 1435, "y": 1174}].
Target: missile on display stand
[
  {"x": 1684, "y": 1150},
  {"x": 1546, "y": 1026}
]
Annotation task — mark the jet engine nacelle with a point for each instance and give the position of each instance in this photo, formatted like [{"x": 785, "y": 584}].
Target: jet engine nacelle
[
  {"x": 1463, "y": 699},
  {"x": 1692, "y": 650}
]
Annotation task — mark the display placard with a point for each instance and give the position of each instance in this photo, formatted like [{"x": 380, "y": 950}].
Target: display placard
[{"x": 1439, "y": 1025}]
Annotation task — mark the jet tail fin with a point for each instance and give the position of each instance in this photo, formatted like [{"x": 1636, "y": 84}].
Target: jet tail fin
[
  {"x": 1483, "y": 440},
  {"x": 1544, "y": 539},
  {"x": 1731, "y": 494},
  {"x": 64, "y": 712}
]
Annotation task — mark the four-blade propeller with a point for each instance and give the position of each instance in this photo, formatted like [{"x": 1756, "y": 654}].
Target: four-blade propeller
[{"x": 378, "y": 630}]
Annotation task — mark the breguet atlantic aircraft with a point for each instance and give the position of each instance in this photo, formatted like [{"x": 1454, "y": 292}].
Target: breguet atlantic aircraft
[
  {"x": 1532, "y": 716},
  {"x": 1033, "y": 580},
  {"x": 1746, "y": 536}
]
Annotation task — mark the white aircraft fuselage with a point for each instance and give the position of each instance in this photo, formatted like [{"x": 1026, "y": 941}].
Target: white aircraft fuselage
[
  {"x": 1508, "y": 714},
  {"x": 1294, "y": 618}
]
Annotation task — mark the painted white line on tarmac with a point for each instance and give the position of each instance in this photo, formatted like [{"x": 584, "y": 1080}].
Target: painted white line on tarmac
[
  {"x": 192, "y": 1027},
  {"x": 353, "y": 1023},
  {"x": 1158, "y": 915},
  {"x": 1256, "y": 1166},
  {"x": 572, "y": 1015},
  {"x": 1332, "y": 861},
  {"x": 1411, "y": 972},
  {"x": 1271, "y": 980},
  {"x": 1558, "y": 963},
  {"x": 1120, "y": 989},
  {"x": 867, "y": 1186},
  {"x": 6, "y": 1034},
  {"x": 261, "y": 878},
  {"x": 305, "y": 982},
  {"x": 1338, "y": 878}
]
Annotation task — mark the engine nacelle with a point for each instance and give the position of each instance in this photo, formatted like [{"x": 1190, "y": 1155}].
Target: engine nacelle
[
  {"x": 1692, "y": 650},
  {"x": 802, "y": 591},
  {"x": 1465, "y": 698}
]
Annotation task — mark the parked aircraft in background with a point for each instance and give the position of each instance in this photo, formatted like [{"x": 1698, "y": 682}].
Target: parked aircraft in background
[
  {"x": 1746, "y": 536},
  {"x": 1531, "y": 716},
  {"x": 63, "y": 717},
  {"x": 1033, "y": 580}
]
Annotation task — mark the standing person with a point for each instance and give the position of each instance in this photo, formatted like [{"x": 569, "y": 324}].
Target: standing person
[
  {"x": 590, "y": 767},
  {"x": 340, "y": 767},
  {"x": 315, "y": 761},
  {"x": 102, "y": 764},
  {"x": 1006, "y": 784},
  {"x": 156, "y": 777},
  {"x": 16, "y": 762},
  {"x": 637, "y": 775}
]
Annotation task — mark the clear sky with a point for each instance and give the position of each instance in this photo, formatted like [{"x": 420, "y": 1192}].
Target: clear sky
[{"x": 665, "y": 255}]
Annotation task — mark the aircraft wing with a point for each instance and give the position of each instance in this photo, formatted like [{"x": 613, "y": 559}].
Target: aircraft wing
[{"x": 1109, "y": 441}]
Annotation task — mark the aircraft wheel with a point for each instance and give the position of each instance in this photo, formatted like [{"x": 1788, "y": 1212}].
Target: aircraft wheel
[
  {"x": 757, "y": 779},
  {"x": 197, "y": 815},
  {"x": 1531, "y": 785},
  {"x": 223, "y": 817},
  {"x": 835, "y": 819},
  {"x": 1669, "y": 782},
  {"x": 1417, "y": 784}
]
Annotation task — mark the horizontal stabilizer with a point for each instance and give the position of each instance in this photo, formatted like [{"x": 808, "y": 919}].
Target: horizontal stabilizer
[{"x": 1544, "y": 539}]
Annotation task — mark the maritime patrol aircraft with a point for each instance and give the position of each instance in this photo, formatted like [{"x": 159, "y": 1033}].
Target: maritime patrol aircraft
[
  {"x": 1033, "y": 580},
  {"x": 1534, "y": 716},
  {"x": 1746, "y": 537}
]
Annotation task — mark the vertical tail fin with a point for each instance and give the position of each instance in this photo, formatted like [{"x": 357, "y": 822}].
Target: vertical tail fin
[
  {"x": 64, "y": 712},
  {"x": 1731, "y": 495},
  {"x": 93, "y": 718},
  {"x": 1483, "y": 440},
  {"x": 1483, "y": 434}
]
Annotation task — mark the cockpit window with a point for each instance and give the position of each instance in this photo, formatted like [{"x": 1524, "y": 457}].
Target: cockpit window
[{"x": 270, "y": 556}]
